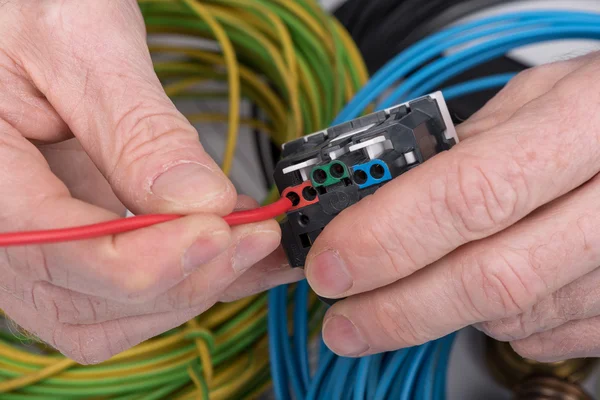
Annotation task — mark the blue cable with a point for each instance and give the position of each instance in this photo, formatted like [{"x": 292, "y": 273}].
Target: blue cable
[
  {"x": 301, "y": 331},
  {"x": 497, "y": 43},
  {"x": 340, "y": 375},
  {"x": 323, "y": 349},
  {"x": 441, "y": 371},
  {"x": 289, "y": 355},
  {"x": 362, "y": 377},
  {"x": 390, "y": 372},
  {"x": 431, "y": 47},
  {"x": 373, "y": 375},
  {"x": 476, "y": 85},
  {"x": 447, "y": 67},
  {"x": 278, "y": 373},
  {"x": 349, "y": 394},
  {"x": 324, "y": 367},
  {"x": 425, "y": 382},
  {"x": 426, "y": 365},
  {"x": 401, "y": 381},
  {"x": 413, "y": 370}
]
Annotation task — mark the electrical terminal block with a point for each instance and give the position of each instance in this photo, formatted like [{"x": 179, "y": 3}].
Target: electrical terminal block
[
  {"x": 339, "y": 166},
  {"x": 302, "y": 195},
  {"x": 374, "y": 172}
]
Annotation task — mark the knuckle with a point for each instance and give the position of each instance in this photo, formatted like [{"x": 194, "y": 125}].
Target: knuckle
[
  {"x": 525, "y": 78},
  {"x": 145, "y": 128},
  {"x": 391, "y": 245},
  {"x": 148, "y": 121},
  {"x": 395, "y": 323},
  {"x": 499, "y": 283},
  {"x": 550, "y": 346},
  {"x": 508, "y": 329},
  {"x": 532, "y": 348},
  {"x": 542, "y": 75},
  {"x": 482, "y": 199}
]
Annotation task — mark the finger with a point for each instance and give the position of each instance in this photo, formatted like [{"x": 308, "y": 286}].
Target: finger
[
  {"x": 522, "y": 89},
  {"x": 576, "y": 339},
  {"x": 72, "y": 165},
  {"x": 32, "y": 198},
  {"x": 92, "y": 344},
  {"x": 576, "y": 301},
  {"x": 116, "y": 107},
  {"x": 273, "y": 271},
  {"x": 475, "y": 190},
  {"x": 250, "y": 244},
  {"x": 25, "y": 107},
  {"x": 496, "y": 278}
]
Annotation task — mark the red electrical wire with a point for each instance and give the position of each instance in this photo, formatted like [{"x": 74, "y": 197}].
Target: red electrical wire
[{"x": 281, "y": 206}]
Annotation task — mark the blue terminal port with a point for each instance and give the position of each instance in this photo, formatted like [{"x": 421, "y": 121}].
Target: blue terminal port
[{"x": 372, "y": 173}]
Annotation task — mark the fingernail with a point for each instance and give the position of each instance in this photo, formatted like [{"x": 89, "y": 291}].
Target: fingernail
[
  {"x": 254, "y": 248},
  {"x": 204, "y": 250},
  {"x": 343, "y": 337},
  {"x": 328, "y": 275},
  {"x": 188, "y": 184}
]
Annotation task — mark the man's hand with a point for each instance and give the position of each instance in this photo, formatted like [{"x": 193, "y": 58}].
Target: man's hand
[
  {"x": 82, "y": 69},
  {"x": 502, "y": 232}
]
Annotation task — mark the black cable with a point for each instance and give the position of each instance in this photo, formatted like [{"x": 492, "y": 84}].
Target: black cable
[
  {"x": 380, "y": 24},
  {"x": 264, "y": 150}
]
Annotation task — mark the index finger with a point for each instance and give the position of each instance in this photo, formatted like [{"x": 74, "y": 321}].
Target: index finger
[
  {"x": 475, "y": 190},
  {"x": 137, "y": 264}
]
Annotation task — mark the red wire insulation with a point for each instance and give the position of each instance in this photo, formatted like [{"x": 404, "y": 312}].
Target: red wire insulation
[{"x": 114, "y": 227}]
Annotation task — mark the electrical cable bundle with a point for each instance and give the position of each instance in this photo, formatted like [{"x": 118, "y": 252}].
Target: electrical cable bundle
[
  {"x": 418, "y": 373},
  {"x": 299, "y": 67},
  {"x": 384, "y": 28}
]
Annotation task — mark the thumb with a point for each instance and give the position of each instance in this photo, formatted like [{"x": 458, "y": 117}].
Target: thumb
[{"x": 90, "y": 59}]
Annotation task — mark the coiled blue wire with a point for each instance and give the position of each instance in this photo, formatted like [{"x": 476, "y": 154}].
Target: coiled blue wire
[
  {"x": 301, "y": 332},
  {"x": 433, "y": 46},
  {"x": 419, "y": 373},
  {"x": 278, "y": 372},
  {"x": 476, "y": 85}
]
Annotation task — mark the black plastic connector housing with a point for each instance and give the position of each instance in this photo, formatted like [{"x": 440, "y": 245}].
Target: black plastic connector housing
[{"x": 329, "y": 171}]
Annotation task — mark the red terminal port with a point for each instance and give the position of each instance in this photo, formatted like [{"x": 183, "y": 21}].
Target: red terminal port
[{"x": 302, "y": 195}]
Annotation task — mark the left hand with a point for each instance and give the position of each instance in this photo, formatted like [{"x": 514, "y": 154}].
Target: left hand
[{"x": 501, "y": 232}]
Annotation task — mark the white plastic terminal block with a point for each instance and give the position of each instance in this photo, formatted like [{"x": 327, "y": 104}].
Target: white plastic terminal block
[
  {"x": 305, "y": 138},
  {"x": 374, "y": 147},
  {"x": 352, "y": 133},
  {"x": 303, "y": 167}
]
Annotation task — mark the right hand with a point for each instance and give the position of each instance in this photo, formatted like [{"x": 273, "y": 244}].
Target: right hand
[{"x": 82, "y": 69}]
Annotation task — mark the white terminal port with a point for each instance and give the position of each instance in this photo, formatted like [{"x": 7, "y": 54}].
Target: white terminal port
[
  {"x": 410, "y": 158},
  {"x": 373, "y": 147},
  {"x": 303, "y": 167}
]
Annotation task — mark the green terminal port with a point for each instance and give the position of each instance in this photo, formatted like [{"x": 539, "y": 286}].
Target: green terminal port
[{"x": 329, "y": 174}]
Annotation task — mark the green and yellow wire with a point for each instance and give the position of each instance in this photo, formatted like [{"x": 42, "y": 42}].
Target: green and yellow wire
[{"x": 299, "y": 66}]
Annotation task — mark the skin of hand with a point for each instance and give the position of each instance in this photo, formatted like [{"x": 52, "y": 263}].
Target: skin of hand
[
  {"x": 85, "y": 131},
  {"x": 502, "y": 232}
]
